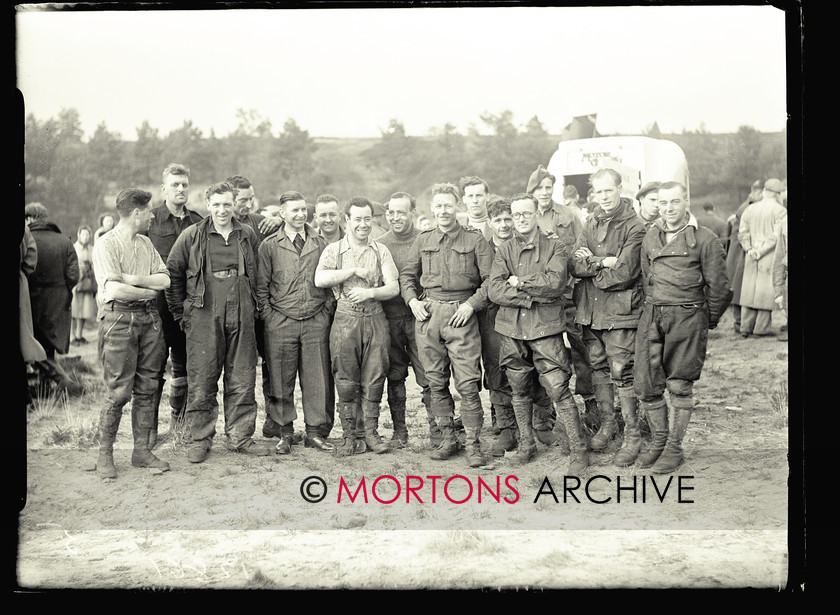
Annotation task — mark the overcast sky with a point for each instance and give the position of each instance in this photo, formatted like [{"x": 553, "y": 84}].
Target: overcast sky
[{"x": 346, "y": 73}]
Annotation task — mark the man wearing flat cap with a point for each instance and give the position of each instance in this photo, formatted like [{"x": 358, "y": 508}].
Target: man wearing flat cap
[
  {"x": 648, "y": 203},
  {"x": 757, "y": 234}
]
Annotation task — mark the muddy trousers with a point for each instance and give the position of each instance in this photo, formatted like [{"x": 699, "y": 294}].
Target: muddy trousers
[
  {"x": 131, "y": 348},
  {"x": 402, "y": 353},
  {"x": 446, "y": 350},
  {"x": 221, "y": 338}
]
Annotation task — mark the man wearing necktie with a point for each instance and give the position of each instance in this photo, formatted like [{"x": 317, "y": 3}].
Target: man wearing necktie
[{"x": 296, "y": 316}]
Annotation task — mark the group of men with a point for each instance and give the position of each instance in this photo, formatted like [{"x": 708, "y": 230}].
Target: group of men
[{"x": 518, "y": 297}]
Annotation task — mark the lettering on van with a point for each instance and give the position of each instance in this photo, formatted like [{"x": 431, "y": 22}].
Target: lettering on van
[{"x": 594, "y": 158}]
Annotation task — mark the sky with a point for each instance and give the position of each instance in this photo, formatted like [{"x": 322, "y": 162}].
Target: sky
[{"x": 348, "y": 72}]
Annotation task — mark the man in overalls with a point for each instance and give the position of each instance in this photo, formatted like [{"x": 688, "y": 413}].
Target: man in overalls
[
  {"x": 213, "y": 271},
  {"x": 362, "y": 274}
]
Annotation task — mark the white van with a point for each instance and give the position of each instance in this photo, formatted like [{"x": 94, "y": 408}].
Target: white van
[{"x": 638, "y": 159}]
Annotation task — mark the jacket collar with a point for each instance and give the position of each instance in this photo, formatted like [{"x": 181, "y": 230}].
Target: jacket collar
[
  {"x": 690, "y": 229},
  {"x": 524, "y": 244}
]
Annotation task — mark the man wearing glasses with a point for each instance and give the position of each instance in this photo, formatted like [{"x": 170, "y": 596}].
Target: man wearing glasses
[{"x": 527, "y": 281}]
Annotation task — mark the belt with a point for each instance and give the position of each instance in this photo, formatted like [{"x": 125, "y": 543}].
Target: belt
[
  {"x": 131, "y": 306},
  {"x": 226, "y": 273},
  {"x": 347, "y": 307}
]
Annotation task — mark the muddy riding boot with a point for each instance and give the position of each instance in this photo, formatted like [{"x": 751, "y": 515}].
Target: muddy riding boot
[
  {"x": 400, "y": 436},
  {"x": 448, "y": 446},
  {"x": 435, "y": 434},
  {"x": 544, "y": 418},
  {"x": 604, "y": 394},
  {"x": 632, "y": 442},
  {"x": 657, "y": 415},
  {"x": 505, "y": 442},
  {"x": 475, "y": 458},
  {"x": 672, "y": 456},
  {"x": 562, "y": 438},
  {"x": 359, "y": 430},
  {"x": 527, "y": 449},
  {"x": 347, "y": 416},
  {"x": 371, "y": 425},
  {"x": 567, "y": 412},
  {"x": 494, "y": 426},
  {"x": 109, "y": 423},
  {"x": 141, "y": 425},
  {"x": 153, "y": 432}
]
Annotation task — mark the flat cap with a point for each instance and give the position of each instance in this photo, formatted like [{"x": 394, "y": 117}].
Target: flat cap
[
  {"x": 647, "y": 188},
  {"x": 756, "y": 185},
  {"x": 774, "y": 185}
]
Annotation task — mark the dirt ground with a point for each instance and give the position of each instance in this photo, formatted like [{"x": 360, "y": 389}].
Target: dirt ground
[{"x": 720, "y": 521}]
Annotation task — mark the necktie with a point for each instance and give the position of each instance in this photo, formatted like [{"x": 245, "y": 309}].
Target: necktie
[{"x": 298, "y": 243}]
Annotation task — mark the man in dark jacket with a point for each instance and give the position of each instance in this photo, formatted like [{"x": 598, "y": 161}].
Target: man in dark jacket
[
  {"x": 609, "y": 302},
  {"x": 50, "y": 288},
  {"x": 169, "y": 221},
  {"x": 213, "y": 272},
  {"x": 686, "y": 293},
  {"x": 527, "y": 281}
]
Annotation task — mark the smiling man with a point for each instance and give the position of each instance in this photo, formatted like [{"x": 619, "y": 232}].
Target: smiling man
[
  {"x": 527, "y": 281},
  {"x": 212, "y": 267},
  {"x": 362, "y": 274},
  {"x": 686, "y": 292},
  {"x": 444, "y": 282},
  {"x": 296, "y": 316},
  {"x": 327, "y": 218}
]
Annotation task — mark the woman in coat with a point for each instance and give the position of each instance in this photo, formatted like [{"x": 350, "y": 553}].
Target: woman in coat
[{"x": 83, "y": 306}]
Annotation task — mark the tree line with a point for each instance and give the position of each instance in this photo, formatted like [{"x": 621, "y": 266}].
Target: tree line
[{"x": 77, "y": 178}]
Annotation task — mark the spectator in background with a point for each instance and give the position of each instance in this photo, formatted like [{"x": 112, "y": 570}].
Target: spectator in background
[
  {"x": 30, "y": 349},
  {"x": 712, "y": 221},
  {"x": 474, "y": 192},
  {"x": 379, "y": 224},
  {"x": 271, "y": 211},
  {"x": 83, "y": 306},
  {"x": 571, "y": 199},
  {"x": 757, "y": 236},
  {"x": 50, "y": 288},
  {"x": 735, "y": 253},
  {"x": 107, "y": 221},
  {"x": 423, "y": 223},
  {"x": 780, "y": 272},
  {"x": 170, "y": 220}
]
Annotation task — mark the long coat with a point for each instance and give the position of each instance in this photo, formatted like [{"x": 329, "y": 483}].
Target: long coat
[
  {"x": 30, "y": 349},
  {"x": 758, "y": 230},
  {"x": 735, "y": 255},
  {"x": 51, "y": 285}
]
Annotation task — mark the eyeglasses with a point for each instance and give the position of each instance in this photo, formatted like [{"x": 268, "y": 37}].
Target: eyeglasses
[{"x": 522, "y": 214}]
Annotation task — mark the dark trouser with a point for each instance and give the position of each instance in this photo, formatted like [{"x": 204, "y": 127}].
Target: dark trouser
[
  {"x": 131, "y": 348},
  {"x": 359, "y": 342},
  {"x": 220, "y": 336},
  {"x": 259, "y": 335},
  {"x": 528, "y": 361},
  {"x": 403, "y": 352},
  {"x": 578, "y": 352},
  {"x": 494, "y": 379},
  {"x": 611, "y": 355},
  {"x": 175, "y": 349},
  {"x": 298, "y": 349},
  {"x": 443, "y": 348},
  {"x": 670, "y": 350}
]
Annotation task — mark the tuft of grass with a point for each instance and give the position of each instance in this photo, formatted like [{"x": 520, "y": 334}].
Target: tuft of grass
[
  {"x": 779, "y": 404},
  {"x": 69, "y": 427}
]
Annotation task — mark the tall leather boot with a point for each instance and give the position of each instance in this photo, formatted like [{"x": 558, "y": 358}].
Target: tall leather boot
[
  {"x": 347, "y": 415},
  {"x": 449, "y": 443},
  {"x": 435, "y": 434},
  {"x": 141, "y": 424},
  {"x": 561, "y": 438},
  {"x": 400, "y": 436},
  {"x": 508, "y": 433},
  {"x": 475, "y": 458},
  {"x": 657, "y": 415},
  {"x": 605, "y": 396},
  {"x": 672, "y": 456},
  {"x": 178, "y": 404},
  {"x": 153, "y": 432},
  {"x": 523, "y": 410},
  {"x": 371, "y": 426},
  {"x": 632, "y": 441},
  {"x": 359, "y": 429},
  {"x": 568, "y": 413},
  {"x": 544, "y": 419},
  {"x": 109, "y": 423}
]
